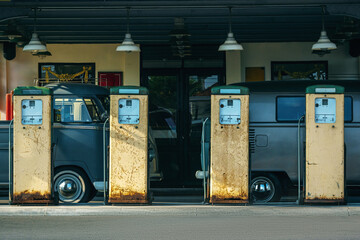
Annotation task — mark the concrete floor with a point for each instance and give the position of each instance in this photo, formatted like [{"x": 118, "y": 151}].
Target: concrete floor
[
  {"x": 180, "y": 217},
  {"x": 180, "y": 227}
]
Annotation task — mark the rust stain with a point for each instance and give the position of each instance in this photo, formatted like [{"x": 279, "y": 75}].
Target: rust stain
[
  {"x": 232, "y": 199},
  {"x": 325, "y": 201},
  {"x": 129, "y": 198},
  {"x": 32, "y": 197},
  {"x": 326, "y": 198}
]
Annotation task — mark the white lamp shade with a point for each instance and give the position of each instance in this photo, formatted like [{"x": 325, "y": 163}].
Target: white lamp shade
[
  {"x": 35, "y": 45},
  {"x": 324, "y": 43},
  {"x": 230, "y": 44},
  {"x": 128, "y": 45}
]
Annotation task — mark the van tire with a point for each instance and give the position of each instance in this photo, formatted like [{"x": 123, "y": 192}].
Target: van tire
[
  {"x": 73, "y": 185},
  {"x": 265, "y": 188}
]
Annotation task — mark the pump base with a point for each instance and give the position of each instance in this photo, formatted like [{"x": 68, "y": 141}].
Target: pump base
[
  {"x": 226, "y": 201},
  {"x": 325, "y": 201}
]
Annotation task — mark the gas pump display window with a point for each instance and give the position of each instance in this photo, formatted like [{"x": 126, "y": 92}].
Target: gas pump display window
[
  {"x": 325, "y": 110},
  {"x": 31, "y": 112},
  {"x": 230, "y": 111},
  {"x": 129, "y": 111}
]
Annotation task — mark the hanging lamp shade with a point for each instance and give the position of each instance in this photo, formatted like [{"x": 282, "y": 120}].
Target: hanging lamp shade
[
  {"x": 324, "y": 43},
  {"x": 128, "y": 45},
  {"x": 34, "y": 45},
  {"x": 12, "y": 34},
  {"x": 42, "y": 54},
  {"x": 230, "y": 44}
]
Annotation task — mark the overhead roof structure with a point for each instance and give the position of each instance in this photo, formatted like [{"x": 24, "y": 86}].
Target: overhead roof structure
[{"x": 206, "y": 21}]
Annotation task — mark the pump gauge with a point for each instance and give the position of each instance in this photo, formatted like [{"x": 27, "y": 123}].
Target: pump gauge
[
  {"x": 230, "y": 111},
  {"x": 325, "y": 110},
  {"x": 31, "y": 112},
  {"x": 129, "y": 111}
]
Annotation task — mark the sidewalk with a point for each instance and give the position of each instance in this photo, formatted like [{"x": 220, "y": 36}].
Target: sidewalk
[{"x": 96, "y": 209}]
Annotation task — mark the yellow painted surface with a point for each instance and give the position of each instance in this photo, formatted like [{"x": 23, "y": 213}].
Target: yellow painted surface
[
  {"x": 324, "y": 167},
  {"x": 32, "y": 168},
  {"x": 128, "y": 169},
  {"x": 132, "y": 68},
  {"x": 229, "y": 168},
  {"x": 233, "y": 67}
]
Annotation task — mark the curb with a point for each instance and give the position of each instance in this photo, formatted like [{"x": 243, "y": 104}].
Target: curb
[{"x": 187, "y": 210}]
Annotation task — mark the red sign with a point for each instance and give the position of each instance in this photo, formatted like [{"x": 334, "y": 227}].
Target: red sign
[{"x": 110, "y": 79}]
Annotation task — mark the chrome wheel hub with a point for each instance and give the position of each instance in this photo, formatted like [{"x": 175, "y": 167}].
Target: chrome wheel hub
[
  {"x": 69, "y": 186},
  {"x": 262, "y": 190}
]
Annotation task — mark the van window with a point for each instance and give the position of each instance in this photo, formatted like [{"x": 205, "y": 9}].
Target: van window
[
  {"x": 71, "y": 110},
  {"x": 92, "y": 109},
  {"x": 290, "y": 109},
  {"x": 105, "y": 101},
  {"x": 348, "y": 109}
]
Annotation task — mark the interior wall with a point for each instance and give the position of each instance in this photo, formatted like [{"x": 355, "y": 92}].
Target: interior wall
[
  {"x": 23, "y": 69},
  {"x": 3, "y": 83},
  {"x": 340, "y": 63}
]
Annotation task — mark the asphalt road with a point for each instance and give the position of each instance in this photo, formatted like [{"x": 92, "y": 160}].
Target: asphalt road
[{"x": 180, "y": 227}]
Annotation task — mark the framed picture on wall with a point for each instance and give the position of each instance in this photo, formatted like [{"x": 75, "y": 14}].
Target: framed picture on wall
[
  {"x": 300, "y": 70},
  {"x": 67, "y": 72},
  {"x": 110, "y": 79},
  {"x": 254, "y": 74}
]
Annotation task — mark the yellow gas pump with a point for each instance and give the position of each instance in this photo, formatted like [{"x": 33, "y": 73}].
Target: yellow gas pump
[
  {"x": 325, "y": 161},
  {"x": 229, "y": 154},
  {"x": 32, "y": 168},
  {"x": 128, "y": 166}
]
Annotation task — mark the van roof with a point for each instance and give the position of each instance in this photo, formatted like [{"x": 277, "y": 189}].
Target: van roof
[
  {"x": 298, "y": 86},
  {"x": 77, "y": 89}
]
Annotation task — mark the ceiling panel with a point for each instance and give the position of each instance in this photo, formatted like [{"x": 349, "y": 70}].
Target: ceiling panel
[{"x": 150, "y": 22}]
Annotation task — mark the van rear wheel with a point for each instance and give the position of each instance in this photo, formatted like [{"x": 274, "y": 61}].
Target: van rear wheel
[
  {"x": 266, "y": 188},
  {"x": 73, "y": 185}
]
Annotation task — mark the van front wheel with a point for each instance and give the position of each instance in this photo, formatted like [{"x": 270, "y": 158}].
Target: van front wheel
[{"x": 72, "y": 185}]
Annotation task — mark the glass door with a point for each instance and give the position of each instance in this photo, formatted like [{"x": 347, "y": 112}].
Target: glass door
[
  {"x": 163, "y": 125},
  {"x": 178, "y": 102},
  {"x": 200, "y": 83}
]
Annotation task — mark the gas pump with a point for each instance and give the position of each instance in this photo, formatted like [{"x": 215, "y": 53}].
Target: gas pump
[
  {"x": 325, "y": 159},
  {"x": 128, "y": 165},
  {"x": 32, "y": 166},
  {"x": 229, "y": 154}
]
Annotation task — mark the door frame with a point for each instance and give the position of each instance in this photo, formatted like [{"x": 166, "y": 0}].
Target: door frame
[{"x": 182, "y": 105}]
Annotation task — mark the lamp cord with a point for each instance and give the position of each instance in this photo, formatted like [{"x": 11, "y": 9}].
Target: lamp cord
[
  {"x": 230, "y": 30},
  {"x": 34, "y": 20},
  {"x": 322, "y": 17},
  {"x": 127, "y": 19}
]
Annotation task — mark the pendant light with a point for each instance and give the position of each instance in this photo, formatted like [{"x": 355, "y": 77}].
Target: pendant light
[
  {"x": 230, "y": 43},
  {"x": 128, "y": 44},
  {"x": 34, "y": 45},
  {"x": 323, "y": 45}
]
